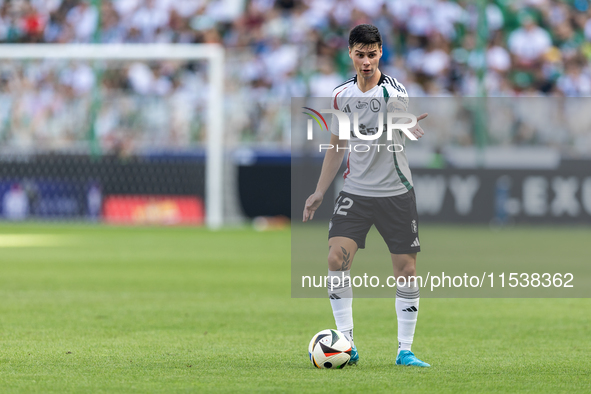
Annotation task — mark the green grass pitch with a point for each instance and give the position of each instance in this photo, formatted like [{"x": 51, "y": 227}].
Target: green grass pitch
[{"x": 96, "y": 309}]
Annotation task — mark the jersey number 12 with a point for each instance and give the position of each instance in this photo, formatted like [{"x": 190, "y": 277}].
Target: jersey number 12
[{"x": 341, "y": 206}]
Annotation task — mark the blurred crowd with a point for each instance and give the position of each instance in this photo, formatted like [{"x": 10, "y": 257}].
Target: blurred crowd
[
  {"x": 125, "y": 107},
  {"x": 277, "y": 49}
]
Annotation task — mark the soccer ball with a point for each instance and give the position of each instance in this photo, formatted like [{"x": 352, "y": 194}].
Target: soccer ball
[{"x": 329, "y": 349}]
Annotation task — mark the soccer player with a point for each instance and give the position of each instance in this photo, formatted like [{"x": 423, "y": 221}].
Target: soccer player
[{"x": 378, "y": 191}]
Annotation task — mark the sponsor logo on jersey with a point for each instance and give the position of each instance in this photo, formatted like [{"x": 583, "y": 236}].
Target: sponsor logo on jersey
[
  {"x": 361, "y": 105},
  {"x": 347, "y": 109},
  {"x": 363, "y": 129}
]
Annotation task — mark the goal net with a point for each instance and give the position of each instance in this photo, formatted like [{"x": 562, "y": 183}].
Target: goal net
[{"x": 128, "y": 133}]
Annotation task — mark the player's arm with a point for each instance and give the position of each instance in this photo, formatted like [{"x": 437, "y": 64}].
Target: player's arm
[
  {"x": 400, "y": 104},
  {"x": 330, "y": 167}
]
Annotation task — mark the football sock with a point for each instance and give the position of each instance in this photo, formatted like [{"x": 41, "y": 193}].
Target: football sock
[
  {"x": 407, "y": 310},
  {"x": 340, "y": 293}
]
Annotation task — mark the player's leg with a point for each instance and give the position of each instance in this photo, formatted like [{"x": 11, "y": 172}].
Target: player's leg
[
  {"x": 407, "y": 305},
  {"x": 348, "y": 229},
  {"x": 397, "y": 222},
  {"x": 407, "y": 298},
  {"x": 341, "y": 251}
]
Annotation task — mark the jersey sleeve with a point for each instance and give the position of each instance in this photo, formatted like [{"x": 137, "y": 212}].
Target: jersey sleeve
[
  {"x": 334, "y": 121},
  {"x": 398, "y": 101}
]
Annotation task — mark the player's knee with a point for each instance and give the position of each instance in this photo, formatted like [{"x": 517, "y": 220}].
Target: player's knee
[
  {"x": 408, "y": 271},
  {"x": 335, "y": 259},
  {"x": 405, "y": 266}
]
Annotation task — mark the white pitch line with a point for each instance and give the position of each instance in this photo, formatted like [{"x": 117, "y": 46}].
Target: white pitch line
[{"x": 28, "y": 240}]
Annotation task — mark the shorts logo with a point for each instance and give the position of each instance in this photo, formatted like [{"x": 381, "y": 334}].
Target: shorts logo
[
  {"x": 413, "y": 226},
  {"x": 375, "y": 105}
]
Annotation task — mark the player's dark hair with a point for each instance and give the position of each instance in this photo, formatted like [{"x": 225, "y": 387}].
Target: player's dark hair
[{"x": 366, "y": 35}]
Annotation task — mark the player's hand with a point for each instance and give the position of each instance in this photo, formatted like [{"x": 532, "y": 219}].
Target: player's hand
[
  {"x": 417, "y": 131},
  {"x": 312, "y": 204}
]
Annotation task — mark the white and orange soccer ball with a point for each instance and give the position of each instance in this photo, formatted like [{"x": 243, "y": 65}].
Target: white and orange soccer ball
[{"x": 329, "y": 349}]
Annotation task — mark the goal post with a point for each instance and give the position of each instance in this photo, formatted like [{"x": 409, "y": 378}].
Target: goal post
[{"x": 213, "y": 53}]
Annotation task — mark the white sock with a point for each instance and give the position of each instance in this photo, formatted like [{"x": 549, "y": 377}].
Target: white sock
[
  {"x": 407, "y": 310},
  {"x": 340, "y": 293}
]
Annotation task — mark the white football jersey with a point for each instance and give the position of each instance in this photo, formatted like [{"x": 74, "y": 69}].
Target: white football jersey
[{"x": 377, "y": 172}]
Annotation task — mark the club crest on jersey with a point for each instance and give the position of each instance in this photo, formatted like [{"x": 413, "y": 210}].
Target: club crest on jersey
[{"x": 375, "y": 105}]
